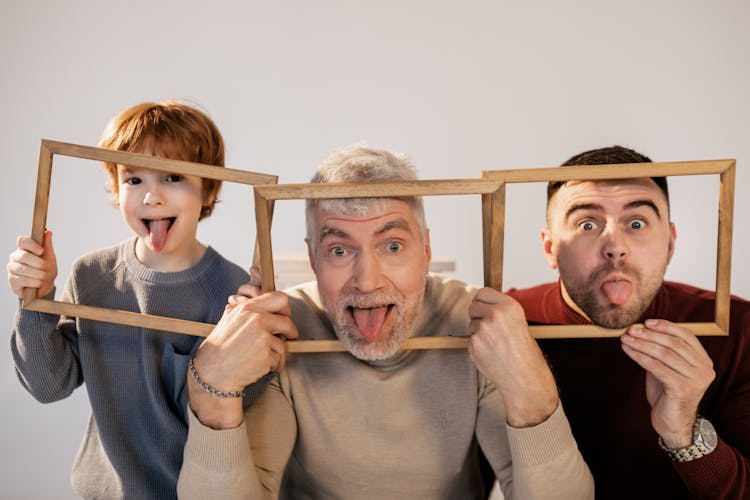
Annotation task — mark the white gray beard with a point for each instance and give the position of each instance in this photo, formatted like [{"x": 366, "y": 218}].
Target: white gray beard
[{"x": 403, "y": 328}]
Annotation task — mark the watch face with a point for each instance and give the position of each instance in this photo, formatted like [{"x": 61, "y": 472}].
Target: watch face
[{"x": 707, "y": 433}]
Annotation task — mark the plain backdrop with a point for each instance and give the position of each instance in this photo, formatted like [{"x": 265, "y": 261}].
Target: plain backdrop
[{"x": 457, "y": 86}]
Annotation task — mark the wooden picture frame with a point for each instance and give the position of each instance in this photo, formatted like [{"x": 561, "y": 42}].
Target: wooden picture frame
[
  {"x": 492, "y": 202},
  {"x": 724, "y": 168},
  {"x": 44, "y": 176}
]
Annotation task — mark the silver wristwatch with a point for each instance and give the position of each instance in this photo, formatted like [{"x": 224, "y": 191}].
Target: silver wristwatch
[{"x": 704, "y": 442}]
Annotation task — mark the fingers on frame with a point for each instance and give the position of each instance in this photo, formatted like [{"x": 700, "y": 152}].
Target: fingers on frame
[
  {"x": 657, "y": 359},
  {"x": 685, "y": 346},
  {"x": 672, "y": 329}
]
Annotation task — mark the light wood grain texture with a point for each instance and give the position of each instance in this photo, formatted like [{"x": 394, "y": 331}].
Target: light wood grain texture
[
  {"x": 538, "y": 332},
  {"x": 724, "y": 247},
  {"x": 41, "y": 205},
  {"x": 263, "y": 215},
  {"x": 493, "y": 199},
  {"x": 140, "y": 320},
  {"x": 725, "y": 168},
  {"x": 493, "y": 195},
  {"x": 593, "y": 331},
  {"x": 158, "y": 163},
  {"x": 488, "y": 210},
  {"x": 377, "y": 189},
  {"x": 615, "y": 171},
  {"x": 491, "y": 187},
  {"x": 496, "y": 225},
  {"x": 307, "y": 346}
]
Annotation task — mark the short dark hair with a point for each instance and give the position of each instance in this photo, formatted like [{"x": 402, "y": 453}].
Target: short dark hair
[{"x": 611, "y": 155}]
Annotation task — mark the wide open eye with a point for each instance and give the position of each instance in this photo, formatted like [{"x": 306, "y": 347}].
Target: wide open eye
[
  {"x": 338, "y": 251},
  {"x": 173, "y": 178},
  {"x": 637, "y": 224},
  {"x": 394, "y": 247},
  {"x": 587, "y": 225}
]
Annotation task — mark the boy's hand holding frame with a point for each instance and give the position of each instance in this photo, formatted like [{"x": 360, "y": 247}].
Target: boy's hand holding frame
[
  {"x": 491, "y": 186},
  {"x": 50, "y": 148}
]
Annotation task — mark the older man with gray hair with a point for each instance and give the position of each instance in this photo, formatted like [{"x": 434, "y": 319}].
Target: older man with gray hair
[{"x": 376, "y": 421}]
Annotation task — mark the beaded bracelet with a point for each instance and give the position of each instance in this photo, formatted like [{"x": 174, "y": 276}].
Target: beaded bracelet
[{"x": 210, "y": 389}]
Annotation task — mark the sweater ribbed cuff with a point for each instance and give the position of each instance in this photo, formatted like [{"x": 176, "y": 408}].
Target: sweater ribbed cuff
[
  {"x": 709, "y": 473},
  {"x": 216, "y": 450},
  {"x": 541, "y": 443}
]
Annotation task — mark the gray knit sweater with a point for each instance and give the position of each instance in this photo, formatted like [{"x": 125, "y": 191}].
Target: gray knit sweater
[{"x": 135, "y": 377}]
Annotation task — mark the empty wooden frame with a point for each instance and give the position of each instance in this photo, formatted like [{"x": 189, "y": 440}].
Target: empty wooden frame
[
  {"x": 494, "y": 230},
  {"x": 47, "y": 151},
  {"x": 492, "y": 202},
  {"x": 491, "y": 186}
]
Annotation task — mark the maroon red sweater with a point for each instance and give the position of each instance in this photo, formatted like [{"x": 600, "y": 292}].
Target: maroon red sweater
[{"x": 603, "y": 393}]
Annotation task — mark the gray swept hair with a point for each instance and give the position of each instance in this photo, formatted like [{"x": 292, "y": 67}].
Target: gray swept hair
[{"x": 360, "y": 163}]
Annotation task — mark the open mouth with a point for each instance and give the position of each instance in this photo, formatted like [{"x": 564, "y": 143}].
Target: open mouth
[
  {"x": 370, "y": 320},
  {"x": 157, "y": 231},
  {"x": 168, "y": 221},
  {"x": 617, "y": 290}
]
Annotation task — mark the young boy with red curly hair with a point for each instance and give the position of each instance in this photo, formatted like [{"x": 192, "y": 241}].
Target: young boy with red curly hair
[{"x": 135, "y": 378}]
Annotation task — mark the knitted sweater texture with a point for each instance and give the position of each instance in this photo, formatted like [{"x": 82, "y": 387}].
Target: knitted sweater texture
[
  {"x": 135, "y": 378},
  {"x": 333, "y": 426},
  {"x": 603, "y": 392}
]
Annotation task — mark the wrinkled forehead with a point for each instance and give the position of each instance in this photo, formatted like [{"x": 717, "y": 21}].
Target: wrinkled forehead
[
  {"x": 362, "y": 210},
  {"x": 606, "y": 194}
]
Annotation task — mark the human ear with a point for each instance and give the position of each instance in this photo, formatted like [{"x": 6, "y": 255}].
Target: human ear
[
  {"x": 310, "y": 255},
  {"x": 672, "y": 238},
  {"x": 549, "y": 247},
  {"x": 427, "y": 248},
  {"x": 208, "y": 199}
]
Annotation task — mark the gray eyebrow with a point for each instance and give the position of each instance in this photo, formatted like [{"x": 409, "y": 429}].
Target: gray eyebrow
[{"x": 388, "y": 226}]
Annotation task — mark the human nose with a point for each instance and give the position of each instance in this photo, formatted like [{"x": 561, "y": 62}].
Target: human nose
[
  {"x": 153, "y": 196},
  {"x": 614, "y": 247},
  {"x": 368, "y": 272}
]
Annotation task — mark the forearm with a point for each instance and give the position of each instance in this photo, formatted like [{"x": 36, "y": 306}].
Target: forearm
[
  {"x": 214, "y": 412},
  {"x": 533, "y": 408}
]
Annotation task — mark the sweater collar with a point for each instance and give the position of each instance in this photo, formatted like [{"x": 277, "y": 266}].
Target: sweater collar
[{"x": 145, "y": 273}]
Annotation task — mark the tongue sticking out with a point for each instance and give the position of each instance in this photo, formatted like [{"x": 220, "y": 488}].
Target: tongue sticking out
[
  {"x": 370, "y": 321},
  {"x": 617, "y": 292},
  {"x": 157, "y": 231}
]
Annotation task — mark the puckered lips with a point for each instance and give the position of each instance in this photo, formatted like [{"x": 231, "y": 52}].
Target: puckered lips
[
  {"x": 617, "y": 289},
  {"x": 371, "y": 319},
  {"x": 158, "y": 230}
]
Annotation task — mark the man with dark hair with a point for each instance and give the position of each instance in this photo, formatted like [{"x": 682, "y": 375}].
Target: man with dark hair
[{"x": 657, "y": 412}]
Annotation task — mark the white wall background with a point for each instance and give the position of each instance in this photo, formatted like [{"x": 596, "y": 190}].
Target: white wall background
[{"x": 458, "y": 86}]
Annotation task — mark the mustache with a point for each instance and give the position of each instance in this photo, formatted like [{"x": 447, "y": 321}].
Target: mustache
[
  {"x": 609, "y": 268},
  {"x": 368, "y": 300}
]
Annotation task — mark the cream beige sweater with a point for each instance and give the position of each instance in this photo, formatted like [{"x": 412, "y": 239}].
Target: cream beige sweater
[{"x": 333, "y": 426}]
